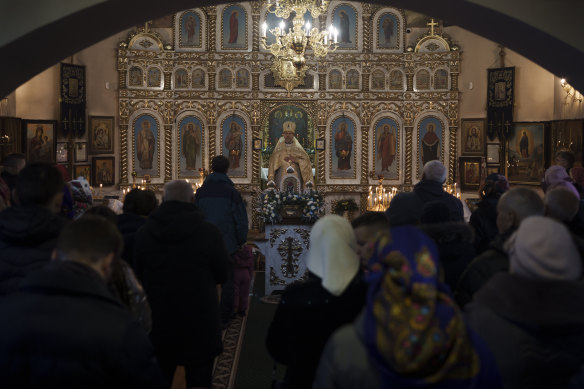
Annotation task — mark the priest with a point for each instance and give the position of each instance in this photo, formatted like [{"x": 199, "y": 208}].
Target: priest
[{"x": 287, "y": 154}]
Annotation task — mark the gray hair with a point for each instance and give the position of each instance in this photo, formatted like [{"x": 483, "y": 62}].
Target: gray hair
[
  {"x": 435, "y": 171},
  {"x": 522, "y": 202},
  {"x": 561, "y": 204},
  {"x": 178, "y": 190}
]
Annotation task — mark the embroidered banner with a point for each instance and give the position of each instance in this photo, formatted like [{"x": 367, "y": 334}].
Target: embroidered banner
[
  {"x": 500, "y": 102},
  {"x": 73, "y": 99}
]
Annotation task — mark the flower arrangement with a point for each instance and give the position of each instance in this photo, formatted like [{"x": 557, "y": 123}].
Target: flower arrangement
[
  {"x": 348, "y": 205},
  {"x": 271, "y": 203}
]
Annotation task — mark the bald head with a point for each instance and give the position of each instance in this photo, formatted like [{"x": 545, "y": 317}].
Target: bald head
[
  {"x": 435, "y": 171},
  {"x": 561, "y": 204},
  {"x": 515, "y": 205},
  {"x": 178, "y": 190}
]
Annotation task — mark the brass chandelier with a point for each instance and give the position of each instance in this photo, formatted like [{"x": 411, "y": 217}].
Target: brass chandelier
[{"x": 289, "y": 67}]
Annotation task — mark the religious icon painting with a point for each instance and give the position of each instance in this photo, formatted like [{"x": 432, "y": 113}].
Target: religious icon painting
[
  {"x": 191, "y": 146},
  {"x": 396, "y": 80},
  {"x": 104, "y": 171},
  {"x": 234, "y": 28},
  {"x": 377, "y": 80},
  {"x": 525, "y": 153},
  {"x": 335, "y": 79},
  {"x": 346, "y": 22},
  {"x": 225, "y": 78},
  {"x": 441, "y": 79},
  {"x": 41, "y": 140},
  {"x": 82, "y": 171},
  {"x": 234, "y": 144},
  {"x": 386, "y": 136},
  {"x": 388, "y": 31},
  {"x": 353, "y": 79},
  {"x": 470, "y": 173},
  {"x": 242, "y": 78},
  {"x": 473, "y": 137},
  {"x": 62, "y": 152},
  {"x": 430, "y": 141},
  {"x": 101, "y": 134},
  {"x": 146, "y": 130},
  {"x": 343, "y": 153},
  {"x": 567, "y": 135},
  {"x": 181, "y": 79},
  {"x": 190, "y": 30},
  {"x": 135, "y": 76},
  {"x": 154, "y": 78},
  {"x": 199, "y": 79},
  {"x": 422, "y": 80}
]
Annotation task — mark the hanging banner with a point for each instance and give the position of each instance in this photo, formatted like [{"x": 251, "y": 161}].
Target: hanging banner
[
  {"x": 73, "y": 99},
  {"x": 500, "y": 94}
]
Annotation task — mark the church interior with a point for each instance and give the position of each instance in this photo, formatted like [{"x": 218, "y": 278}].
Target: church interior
[{"x": 142, "y": 93}]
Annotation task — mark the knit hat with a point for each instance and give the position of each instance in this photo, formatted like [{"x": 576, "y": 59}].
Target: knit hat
[
  {"x": 501, "y": 183},
  {"x": 332, "y": 255},
  {"x": 544, "y": 249}
]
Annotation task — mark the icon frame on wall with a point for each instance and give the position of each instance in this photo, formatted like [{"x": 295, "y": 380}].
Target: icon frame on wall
[
  {"x": 473, "y": 137},
  {"x": 42, "y": 150},
  {"x": 83, "y": 170},
  {"x": 470, "y": 173},
  {"x": 98, "y": 145},
  {"x": 104, "y": 176},
  {"x": 526, "y": 151}
]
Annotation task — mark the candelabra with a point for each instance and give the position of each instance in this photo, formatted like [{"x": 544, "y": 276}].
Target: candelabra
[{"x": 379, "y": 198}]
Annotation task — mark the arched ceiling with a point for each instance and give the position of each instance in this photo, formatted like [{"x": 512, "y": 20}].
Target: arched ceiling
[{"x": 35, "y": 35}]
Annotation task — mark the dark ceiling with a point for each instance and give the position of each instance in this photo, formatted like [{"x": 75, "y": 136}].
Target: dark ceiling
[{"x": 45, "y": 46}]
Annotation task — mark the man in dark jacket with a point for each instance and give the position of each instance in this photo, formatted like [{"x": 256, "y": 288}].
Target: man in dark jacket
[
  {"x": 223, "y": 207},
  {"x": 430, "y": 189},
  {"x": 63, "y": 329},
  {"x": 181, "y": 259},
  {"x": 514, "y": 206},
  {"x": 28, "y": 230}
]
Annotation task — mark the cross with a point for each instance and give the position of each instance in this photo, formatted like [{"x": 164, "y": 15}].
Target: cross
[
  {"x": 432, "y": 24},
  {"x": 146, "y": 27}
]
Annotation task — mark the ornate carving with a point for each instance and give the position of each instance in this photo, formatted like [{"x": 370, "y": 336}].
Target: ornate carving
[
  {"x": 168, "y": 153},
  {"x": 275, "y": 234},
  {"x": 274, "y": 279},
  {"x": 305, "y": 235},
  {"x": 290, "y": 250},
  {"x": 123, "y": 152}
]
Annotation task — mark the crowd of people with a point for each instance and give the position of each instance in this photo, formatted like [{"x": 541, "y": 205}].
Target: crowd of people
[{"x": 413, "y": 297}]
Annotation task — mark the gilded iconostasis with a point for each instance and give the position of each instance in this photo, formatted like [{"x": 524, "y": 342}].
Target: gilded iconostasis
[{"x": 372, "y": 108}]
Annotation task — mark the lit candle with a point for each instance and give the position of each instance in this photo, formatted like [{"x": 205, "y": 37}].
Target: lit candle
[
  {"x": 308, "y": 28},
  {"x": 331, "y": 31},
  {"x": 336, "y": 35},
  {"x": 100, "y": 186},
  {"x": 282, "y": 25},
  {"x": 264, "y": 29}
]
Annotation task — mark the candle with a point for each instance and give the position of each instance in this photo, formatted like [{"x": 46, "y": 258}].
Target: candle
[
  {"x": 307, "y": 28},
  {"x": 336, "y": 35},
  {"x": 100, "y": 186},
  {"x": 264, "y": 29}
]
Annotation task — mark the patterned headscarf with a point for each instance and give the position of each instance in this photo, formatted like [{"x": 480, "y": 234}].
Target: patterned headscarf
[{"x": 414, "y": 331}]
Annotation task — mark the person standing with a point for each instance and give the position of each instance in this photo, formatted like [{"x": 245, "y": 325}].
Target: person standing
[
  {"x": 180, "y": 259},
  {"x": 223, "y": 207},
  {"x": 430, "y": 189},
  {"x": 65, "y": 329}
]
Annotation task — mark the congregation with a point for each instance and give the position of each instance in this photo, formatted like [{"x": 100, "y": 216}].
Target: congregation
[{"x": 414, "y": 297}]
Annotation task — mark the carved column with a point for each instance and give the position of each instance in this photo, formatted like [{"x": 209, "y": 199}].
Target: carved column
[
  {"x": 320, "y": 134},
  {"x": 212, "y": 20},
  {"x": 409, "y": 163},
  {"x": 123, "y": 153},
  {"x": 256, "y": 33},
  {"x": 167, "y": 152},
  {"x": 364, "y": 154},
  {"x": 453, "y": 154}
]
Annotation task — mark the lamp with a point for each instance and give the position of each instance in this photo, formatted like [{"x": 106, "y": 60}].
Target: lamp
[
  {"x": 570, "y": 91},
  {"x": 289, "y": 66}
]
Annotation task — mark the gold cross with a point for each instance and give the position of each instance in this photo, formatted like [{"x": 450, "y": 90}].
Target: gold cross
[{"x": 432, "y": 24}]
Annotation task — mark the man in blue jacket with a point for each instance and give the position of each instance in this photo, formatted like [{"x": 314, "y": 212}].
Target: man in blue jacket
[{"x": 222, "y": 206}]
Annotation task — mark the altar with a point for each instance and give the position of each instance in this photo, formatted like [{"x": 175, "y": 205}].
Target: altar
[{"x": 285, "y": 248}]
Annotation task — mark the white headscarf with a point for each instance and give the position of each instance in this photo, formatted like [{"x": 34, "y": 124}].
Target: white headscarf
[{"x": 332, "y": 254}]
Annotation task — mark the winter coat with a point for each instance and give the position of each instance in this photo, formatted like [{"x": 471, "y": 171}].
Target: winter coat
[
  {"x": 223, "y": 207},
  {"x": 63, "y": 329},
  {"x": 305, "y": 318},
  {"x": 454, "y": 241},
  {"x": 180, "y": 259},
  {"x": 128, "y": 224},
  {"x": 28, "y": 236},
  {"x": 534, "y": 328},
  {"x": 243, "y": 259},
  {"x": 492, "y": 261},
  {"x": 484, "y": 222},
  {"x": 428, "y": 190}
]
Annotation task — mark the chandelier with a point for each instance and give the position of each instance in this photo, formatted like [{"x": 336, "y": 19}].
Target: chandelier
[{"x": 289, "y": 48}]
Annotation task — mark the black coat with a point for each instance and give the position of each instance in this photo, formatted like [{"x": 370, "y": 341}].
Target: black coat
[
  {"x": 28, "y": 236},
  {"x": 492, "y": 261},
  {"x": 455, "y": 249},
  {"x": 305, "y": 319},
  {"x": 534, "y": 328},
  {"x": 180, "y": 259},
  {"x": 484, "y": 222},
  {"x": 63, "y": 329},
  {"x": 128, "y": 224},
  {"x": 428, "y": 190}
]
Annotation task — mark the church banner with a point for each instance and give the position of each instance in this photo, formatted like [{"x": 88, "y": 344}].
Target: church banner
[
  {"x": 73, "y": 99},
  {"x": 500, "y": 102}
]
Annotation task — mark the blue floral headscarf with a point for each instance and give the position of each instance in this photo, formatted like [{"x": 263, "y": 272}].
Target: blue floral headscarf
[{"x": 414, "y": 331}]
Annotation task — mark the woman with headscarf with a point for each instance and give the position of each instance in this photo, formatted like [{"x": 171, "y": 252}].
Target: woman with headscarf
[
  {"x": 411, "y": 333},
  {"x": 556, "y": 176},
  {"x": 484, "y": 218},
  {"x": 310, "y": 311}
]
